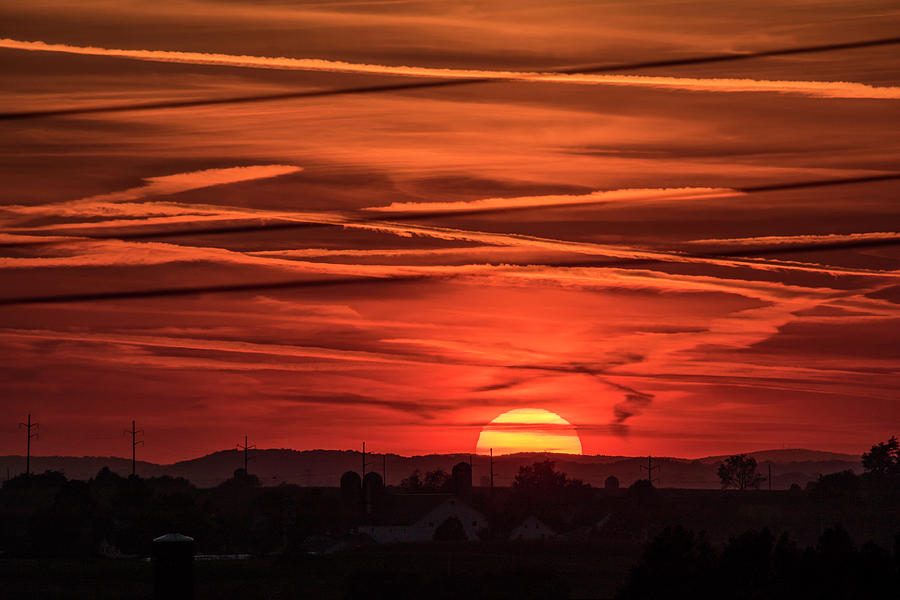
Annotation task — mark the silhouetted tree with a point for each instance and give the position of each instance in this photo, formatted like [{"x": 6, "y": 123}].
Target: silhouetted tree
[
  {"x": 677, "y": 563},
  {"x": 883, "y": 459},
  {"x": 412, "y": 483},
  {"x": 539, "y": 476},
  {"x": 837, "y": 485},
  {"x": 67, "y": 528},
  {"x": 786, "y": 556},
  {"x": 739, "y": 471},
  {"x": 747, "y": 560},
  {"x": 242, "y": 482},
  {"x": 46, "y": 480},
  {"x": 680, "y": 564},
  {"x": 640, "y": 486},
  {"x": 437, "y": 480},
  {"x": 543, "y": 476},
  {"x": 541, "y": 490},
  {"x": 107, "y": 478}
]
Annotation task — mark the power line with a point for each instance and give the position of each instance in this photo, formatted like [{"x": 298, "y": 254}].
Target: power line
[{"x": 589, "y": 69}]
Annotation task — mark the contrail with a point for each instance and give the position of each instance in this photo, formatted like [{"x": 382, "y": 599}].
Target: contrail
[
  {"x": 335, "y": 281},
  {"x": 215, "y": 289},
  {"x": 575, "y": 75},
  {"x": 465, "y": 210},
  {"x": 639, "y": 258},
  {"x": 456, "y": 77}
]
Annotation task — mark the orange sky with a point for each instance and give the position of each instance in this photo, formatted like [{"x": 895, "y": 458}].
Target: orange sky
[{"x": 653, "y": 353}]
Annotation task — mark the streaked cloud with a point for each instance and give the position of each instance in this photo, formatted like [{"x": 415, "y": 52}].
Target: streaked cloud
[
  {"x": 788, "y": 240},
  {"x": 821, "y": 89},
  {"x": 600, "y": 197},
  {"x": 119, "y": 203},
  {"x": 570, "y": 243}
]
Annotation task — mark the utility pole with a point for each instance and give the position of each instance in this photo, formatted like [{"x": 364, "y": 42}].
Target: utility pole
[
  {"x": 649, "y": 468},
  {"x": 246, "y": 448},
  {"x": 384, "y": 468},
  {"x": 492, "y": 472},
  {"x": 364, "y": 460},
  {"x": 134, "y": 444},
  {"x": 770, "y": 477},
  {"x": 28, "y": 426}
]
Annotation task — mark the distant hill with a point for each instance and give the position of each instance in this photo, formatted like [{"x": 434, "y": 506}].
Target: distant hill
[
  {"x": 76, "y": 467},
  {"x": 791, "y": 455},
  {"x": 324, "y": 467}
]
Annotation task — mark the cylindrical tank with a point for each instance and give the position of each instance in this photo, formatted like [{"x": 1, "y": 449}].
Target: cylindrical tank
[
  {"x": 173, "y": 567},
  {"x": 351, "y": 487},
  {"x": 373, "y": 488},
  {"x": 462, "y": 478}
]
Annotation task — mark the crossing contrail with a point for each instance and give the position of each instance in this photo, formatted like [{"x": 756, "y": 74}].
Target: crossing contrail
[{"x": 458, "y": 77}]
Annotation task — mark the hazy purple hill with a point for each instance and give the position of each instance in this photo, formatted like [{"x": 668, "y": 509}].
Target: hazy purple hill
[
  {"x": 792, "y": 455},
  {"x": 324, "y": 467}
]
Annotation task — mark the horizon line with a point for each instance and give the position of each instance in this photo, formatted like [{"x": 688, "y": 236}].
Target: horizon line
[{"x": 458, "y": 453}]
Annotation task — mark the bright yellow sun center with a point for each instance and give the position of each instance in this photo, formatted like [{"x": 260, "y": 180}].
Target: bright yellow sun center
[{"x": 529, "y": 430}]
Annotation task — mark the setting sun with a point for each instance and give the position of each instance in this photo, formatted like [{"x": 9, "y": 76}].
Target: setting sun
[{"x": 529, "y": 430}]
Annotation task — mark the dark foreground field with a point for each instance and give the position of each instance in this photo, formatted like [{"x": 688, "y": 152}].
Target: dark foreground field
[{"x": 496, "y": 570}]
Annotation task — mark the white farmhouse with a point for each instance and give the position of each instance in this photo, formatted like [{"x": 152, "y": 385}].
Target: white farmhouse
[
  {"x": 417, "y": 517},
  {"x": 532, "y": 528}
]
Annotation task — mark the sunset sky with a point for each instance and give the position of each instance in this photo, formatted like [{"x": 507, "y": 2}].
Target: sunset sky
[{"x": 593, "y": 268}]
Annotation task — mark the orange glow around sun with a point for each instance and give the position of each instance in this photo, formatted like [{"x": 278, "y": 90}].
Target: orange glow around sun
[{"x": 529, "y": 430}]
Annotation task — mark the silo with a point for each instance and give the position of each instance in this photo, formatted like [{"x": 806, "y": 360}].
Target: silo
[
  {"x": 351, "y": 488},
  {"x": 462, "y": 478},
  {"x": 373, "y": 489},
  {"x": 173, "y": 567}
]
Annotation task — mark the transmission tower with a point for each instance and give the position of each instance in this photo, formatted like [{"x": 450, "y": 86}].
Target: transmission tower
[
  {"x": 133, "y": 432},
  {"x": 246, "y": 448},
  {"x": 650, "y": 468},
  {"x": 28, "y": 426}
]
